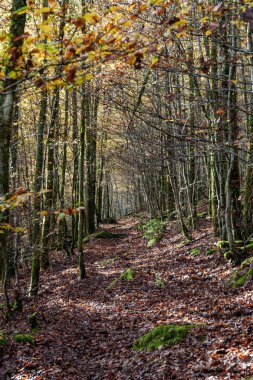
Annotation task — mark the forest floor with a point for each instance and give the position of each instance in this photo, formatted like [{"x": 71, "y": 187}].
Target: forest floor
[{"x": 87, "y": 329}]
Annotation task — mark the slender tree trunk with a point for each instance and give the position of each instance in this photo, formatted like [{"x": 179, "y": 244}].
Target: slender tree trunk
[
  {"x": 7, "y": 101},
  {"x": 91, "y": 145},
  {"x": 38, "y": 180}
]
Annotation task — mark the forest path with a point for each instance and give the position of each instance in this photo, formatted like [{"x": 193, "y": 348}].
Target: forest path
[{"x": 87, "y": 329}]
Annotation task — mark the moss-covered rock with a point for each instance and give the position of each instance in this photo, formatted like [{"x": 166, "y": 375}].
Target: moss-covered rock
[
  {"x": 23, "y": 338},
  {"x": 100, "y": 234},
  {"x": 106, "y": 235},
  {"x": 3, "y": 339},
  {"x": 228, "y": 255},
  {"x": 160, "y": 336},
  {"x": 240, "y": 276},
  {"x": 241, "y": 280}
]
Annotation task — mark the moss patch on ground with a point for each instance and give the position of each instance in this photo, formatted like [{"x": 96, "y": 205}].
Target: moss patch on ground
[
  {"x": 3, "y": 339},
  {"x": 162, "y": 336},
  {"x": 23, "y": 338},
  {"x": 101, "y": 235},
  {"x": 128, "y": 275},
  {"x": 195, "y": 252},
  {"x": 153, "y": 231}
]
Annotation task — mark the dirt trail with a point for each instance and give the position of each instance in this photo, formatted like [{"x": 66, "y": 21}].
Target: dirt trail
[{"x": 87, "y": 330}]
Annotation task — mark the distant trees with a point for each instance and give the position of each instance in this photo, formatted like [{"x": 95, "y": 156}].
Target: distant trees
[{"x": 122, "y": 108}]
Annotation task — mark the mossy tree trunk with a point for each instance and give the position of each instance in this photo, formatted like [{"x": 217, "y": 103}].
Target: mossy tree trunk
[
  {"x": 7, "y": 101},
  {"x": 62, "y": 244},
  {"x": 248, "y": 195},
  {"x": 75, "y": 180},
  {"x": 81, "y": 203},
  {"x": 38, "y": 179},
  {"x": 37, "y": 187},
  {"x": 233, "y": 208}
]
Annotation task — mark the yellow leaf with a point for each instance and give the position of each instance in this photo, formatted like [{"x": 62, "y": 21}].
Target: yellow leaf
[
  {"x": 89, "y": 76},
  {"x": 154, "y": 60},
  {"x": 92, "y": 18},
  {"x": 45, "y": 10},
  {"x": 46, "y": 29},
  {"x": 180, "y": 23},
  {"x": 13, "y": 75},
  {"x": 127, "y": 24},
  {"x": 57, "y": 82},
  {"x": 208, "y": 33},
  {"x": 156, "y": 2},
  {"x": 43, "y": 213}
]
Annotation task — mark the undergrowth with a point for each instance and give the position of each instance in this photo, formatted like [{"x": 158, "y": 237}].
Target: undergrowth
[
  {"x": 153, "y": 230},
  {"x": 127, "y": 275}
]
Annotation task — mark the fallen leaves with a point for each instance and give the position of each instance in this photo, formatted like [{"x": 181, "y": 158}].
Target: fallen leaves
[{"x": 88, "y": 329}]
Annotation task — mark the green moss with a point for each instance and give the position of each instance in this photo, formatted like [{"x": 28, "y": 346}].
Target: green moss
[
  {"x": 23, "y": 338},
  {"x": 243, "y": 274},
  {"x": 248, "y": 261},
  {"x": 247, "y": 242},
  {"x": 209, "y": 251},
  {"x": 248, "y": 247},
  {"x": 160, "y": 336},
  {"x": 87, "y": 239},
  {"x": 106, "y": 235},
  {"x": 202, "y": 215},
  {"x": 100, "y": 234},
  {"x": 195, "y": 252},
  {"x": 32, "y": 320},
  {"x": 105, "y": 263},
  {"x": 238, "y": 242},
  {"x": 152, "y": 242},
  {"x": 228, "y": 255},
  {"x": 184, "y": 243},
  {"x": 241, "y": 280},
  {"x": 222, "y": 244},
  {"x": 128, "y": 275},
  {"x": 3, "y": 339},
  {"x": 153, "y": 231},
  {"x": 36, "y": 330}
]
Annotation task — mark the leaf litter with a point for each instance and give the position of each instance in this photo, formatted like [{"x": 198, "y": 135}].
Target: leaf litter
[{"x": 87, "y": 329}]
